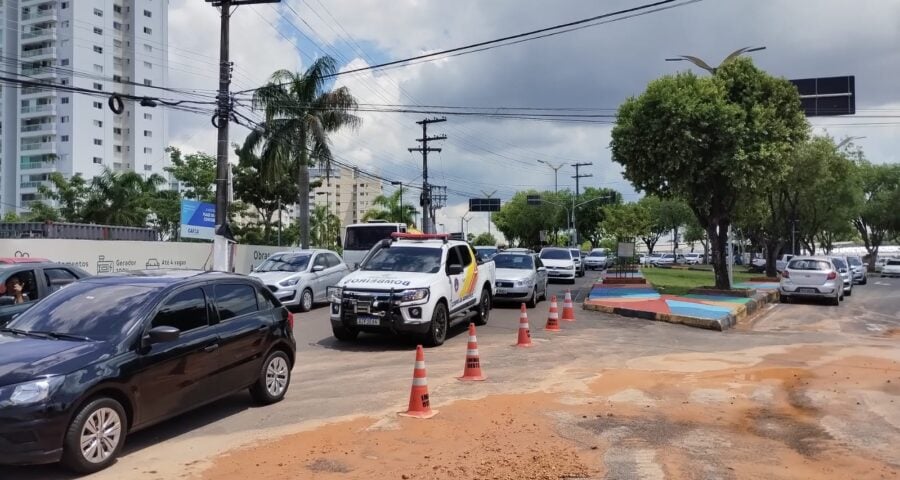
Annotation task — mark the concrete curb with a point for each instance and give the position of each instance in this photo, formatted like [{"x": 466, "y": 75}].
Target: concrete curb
[{"x": 743, "y": 312}]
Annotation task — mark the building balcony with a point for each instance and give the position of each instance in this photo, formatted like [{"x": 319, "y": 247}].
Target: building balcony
[
  {"x": 39, "y": 52},
  {"x": 41, "y": 128},
  {"x": 37, "y": 166},
  {"x": 33, "y": 92},
  {"x": 42, "y": 72},
  {"x": 38, "y": 148},
  {"x": 33, "y": 185},
  {"x": 38, "y": 110},
  {"x": 48, "y": 14},
  {"x": 31, "y": 3},
  {"x": 39, "y": 35}
]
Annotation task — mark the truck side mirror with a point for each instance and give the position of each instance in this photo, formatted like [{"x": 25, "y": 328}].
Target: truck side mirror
[{"x": 454, "y": 269}]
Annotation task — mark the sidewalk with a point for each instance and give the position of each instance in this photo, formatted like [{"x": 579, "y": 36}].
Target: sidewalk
[{"x": 715, "y": 312}]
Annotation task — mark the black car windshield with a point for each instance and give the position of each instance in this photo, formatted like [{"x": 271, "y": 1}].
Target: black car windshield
[
  {"x": 854, "y": 261},
  {"x": 810, "y": 264},
  {"x": 523, "y": 262},
  {"x": 405, "y": 259},
  {"x": 285, "y": 262},
  {"x": 85, "y": 309},
  {"x": 552, "y": 254},
  {"x": 839, "y": 262},
  {"x": 596, "y": 254}
]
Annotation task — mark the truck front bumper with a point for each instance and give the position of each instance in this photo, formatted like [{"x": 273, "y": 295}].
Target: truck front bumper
[{"x": 381, "y": 316}]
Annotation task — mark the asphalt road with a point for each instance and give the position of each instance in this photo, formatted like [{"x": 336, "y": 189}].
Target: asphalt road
[{"x": 371, "y": 377}]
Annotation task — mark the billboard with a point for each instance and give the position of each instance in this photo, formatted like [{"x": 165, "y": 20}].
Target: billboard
[
  {"x": 827, "y": 96},
  {"x": 198, "y": 220},
  {"x": 484, "y": 204}
]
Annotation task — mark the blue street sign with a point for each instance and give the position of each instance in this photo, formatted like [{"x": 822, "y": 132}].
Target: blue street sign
[{"x": 198, "y": 220}]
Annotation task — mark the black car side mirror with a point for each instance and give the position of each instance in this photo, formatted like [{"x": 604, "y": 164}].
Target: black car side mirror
[
  {"x": 6, "y": 300},
  {"x": 454, "y": 269},
  {"x": 163, "y": 334}
]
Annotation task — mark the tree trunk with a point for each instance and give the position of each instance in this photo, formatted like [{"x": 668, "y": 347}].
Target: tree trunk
[
  {"x": 718, "y": 239},
  {"x": 303, "y": 198},
  {"x": 771, "y": 256}
]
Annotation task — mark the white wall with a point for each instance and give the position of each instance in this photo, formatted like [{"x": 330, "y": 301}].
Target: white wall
[{"x": 97, "y": 256}]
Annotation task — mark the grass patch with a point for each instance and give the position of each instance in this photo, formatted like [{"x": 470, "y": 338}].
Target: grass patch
[{"x": 679, "y": 282}]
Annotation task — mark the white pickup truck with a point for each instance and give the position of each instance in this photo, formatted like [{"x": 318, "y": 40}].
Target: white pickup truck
[{"x": 417, "y": 284}]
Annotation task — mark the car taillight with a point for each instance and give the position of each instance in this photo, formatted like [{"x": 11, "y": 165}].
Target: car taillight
[
  {"x": 290, "y": 320},
  {"x": 832, "y": 275},
  {"x": 785, "y": 274}
]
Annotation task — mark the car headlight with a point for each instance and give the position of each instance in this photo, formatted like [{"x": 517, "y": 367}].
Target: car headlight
[
  {"x": 413, "y": 295},
  {"x": 289, "y": 282},
  {"x": 30, "y": 392},
  {"x": 334, "y": 294}
]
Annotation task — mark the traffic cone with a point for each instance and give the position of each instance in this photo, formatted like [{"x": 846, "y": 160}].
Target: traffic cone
[
  {"x": 419, "y": 405},
  {"x": 568, "y": 310},
  {"x": 553, "y": 318},
  {"x": 472, "y": 372},
  {"x": 524, "y": 330}
]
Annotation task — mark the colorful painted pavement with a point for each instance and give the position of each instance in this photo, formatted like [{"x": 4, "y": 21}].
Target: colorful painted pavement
[{"x": 646, "y": 298}]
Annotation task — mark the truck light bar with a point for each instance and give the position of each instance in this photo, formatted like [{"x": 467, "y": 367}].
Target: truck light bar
[{"x": 419, "y": 236}]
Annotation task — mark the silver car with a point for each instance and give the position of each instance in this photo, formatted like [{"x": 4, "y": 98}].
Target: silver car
[
  {"x": 811, "y": 277},
  {"x": 860, "y": 274},
  {"x": 521, "y": 277},
  {"x": 843, "y": 267},
  {"x": 579, "y": 262},
  {"x": 301, "y": 278}
]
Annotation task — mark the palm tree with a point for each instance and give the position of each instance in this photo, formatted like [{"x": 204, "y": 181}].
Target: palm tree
[
  {"x": 300, "y": 112},
  {"x": 391, "y": 210},
  {"x": 121, "y": 198}
]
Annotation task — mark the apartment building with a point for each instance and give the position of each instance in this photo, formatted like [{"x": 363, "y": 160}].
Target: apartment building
[
  {"x": 347, "y": 194},
  {"x": 106, "y": 46}
]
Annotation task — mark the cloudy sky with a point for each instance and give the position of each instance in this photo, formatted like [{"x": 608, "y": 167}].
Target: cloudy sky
[{"x": 595, "y": 68}]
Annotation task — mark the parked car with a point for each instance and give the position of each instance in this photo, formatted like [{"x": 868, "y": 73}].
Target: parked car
[
  {"x": 302, "y": 277},
  {"x": 518, "y": 250},
  {"x": 811, "y": 277},
  {"x": 36, "y": 279},
  {"x": 879, "y": 263},
  {"x": 891, "y": 268},
  {"x": 782, "y": 261},
  {"x": 113, "y": 354},
  {"x": 846, "y": 274},
  {"x": 693, "y": 258},
  {"x": 520, "y": 278},
  {"x": 559, "y": 263},
  {"x": 579, "y": 263},
  {"x": 668, "y": 259},
  {"x": 650, "y": 260},
  {"x": 596, "y": 259},
  {"x": 860, "y": 276}
]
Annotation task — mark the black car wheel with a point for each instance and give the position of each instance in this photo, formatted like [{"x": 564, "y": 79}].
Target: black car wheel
[
  {"x": 532, "y": 301},
  {"x": 95, "y": 436},
  {"x": 344, "y": 334},
  {"x": 306, "y": 300},
  {"x": 484, "y": 308},
  {"x": 864, "y": 281},
  {"x": 274, "y": 379},
  {"x": 437, "y": 331}
]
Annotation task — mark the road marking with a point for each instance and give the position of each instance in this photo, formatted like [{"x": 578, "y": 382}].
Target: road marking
[{"x": 883, "y": 284}]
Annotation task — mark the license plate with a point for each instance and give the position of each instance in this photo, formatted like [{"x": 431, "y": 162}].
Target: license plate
[
  {"x": 807, "y": 290},
  {"x": 368, "y": 320},
  {"x": 501, "y": 291},
  {"x": 555, "y": 274}
]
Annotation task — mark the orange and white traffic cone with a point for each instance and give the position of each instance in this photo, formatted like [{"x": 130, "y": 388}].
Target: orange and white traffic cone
[
  {"x": 553, "y": 318},
  {"x": 524, "y": 330},
  {"x": 568, "y": 309},
  {"x": 419, "y": 404},
  {"x": 472, "y": 372}
]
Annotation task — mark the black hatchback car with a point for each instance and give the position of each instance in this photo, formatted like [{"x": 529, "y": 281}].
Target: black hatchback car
[
  {"x": 109, "y": 355},
  {"x": 38, "y": 279}
]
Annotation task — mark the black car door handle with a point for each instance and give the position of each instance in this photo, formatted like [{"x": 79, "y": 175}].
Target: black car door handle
[{"x": 211, "y": 348}]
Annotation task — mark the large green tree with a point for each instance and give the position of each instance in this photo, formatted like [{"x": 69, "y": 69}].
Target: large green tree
[
  {"x": 628, "y": 221},
  {"x": 522, "y": 223},
  {"x": 878, "y": 216},
  {"x": 485, "y": 239},
  {"x": 195, "y": 173},
  {"x": 300, "y": 113},
  {"x": 710, "y": 141},
  {"x": 264, "y": 195},
  {"x": 590, "y": 211}
]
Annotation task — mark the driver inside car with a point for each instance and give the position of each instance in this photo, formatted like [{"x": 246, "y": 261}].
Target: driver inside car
[{"x": 15, "y": 288}]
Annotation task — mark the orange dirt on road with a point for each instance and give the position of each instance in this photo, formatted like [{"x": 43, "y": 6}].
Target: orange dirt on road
[{"x": 803, "y": 412}]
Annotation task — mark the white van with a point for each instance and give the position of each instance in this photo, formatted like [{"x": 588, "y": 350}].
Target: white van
[{"x": 359, "y": 238}]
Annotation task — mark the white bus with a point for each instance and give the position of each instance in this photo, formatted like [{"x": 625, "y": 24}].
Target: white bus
[{"x": 359, "y": 238}]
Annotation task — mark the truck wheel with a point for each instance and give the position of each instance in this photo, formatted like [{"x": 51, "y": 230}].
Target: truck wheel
[
  {"x": 344, "y": 334},
  {"x": 483, "y": 314},
  {"x": 437, "y": 331}
]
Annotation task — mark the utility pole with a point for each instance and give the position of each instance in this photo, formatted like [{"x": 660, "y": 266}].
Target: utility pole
[
  {"x": 578, "y": 176},
  {"x": 490, "y": 214},
  {"x": 220, "y": 121},
  {"x": 427, "y": 214},
  {"x": 401, "y": 198}
]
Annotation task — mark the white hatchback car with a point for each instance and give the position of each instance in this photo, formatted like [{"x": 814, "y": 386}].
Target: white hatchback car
[
  {"x": 891, "y": 268},
  {"x": 811, "y": 277}
]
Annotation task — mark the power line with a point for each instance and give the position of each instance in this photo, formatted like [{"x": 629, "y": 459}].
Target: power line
[{"x": 501, "y": 40}]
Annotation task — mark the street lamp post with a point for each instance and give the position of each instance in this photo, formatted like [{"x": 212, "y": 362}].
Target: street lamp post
[
  {"x": 712, "y": 70},
  {"x": 846, "y": 141},
  {"x": 490, "y": 214},
  {"x": 555, "y": 173}
]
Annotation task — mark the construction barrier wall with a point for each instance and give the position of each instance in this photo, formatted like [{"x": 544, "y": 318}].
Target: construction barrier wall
[{"x": 98, "y": 256}]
